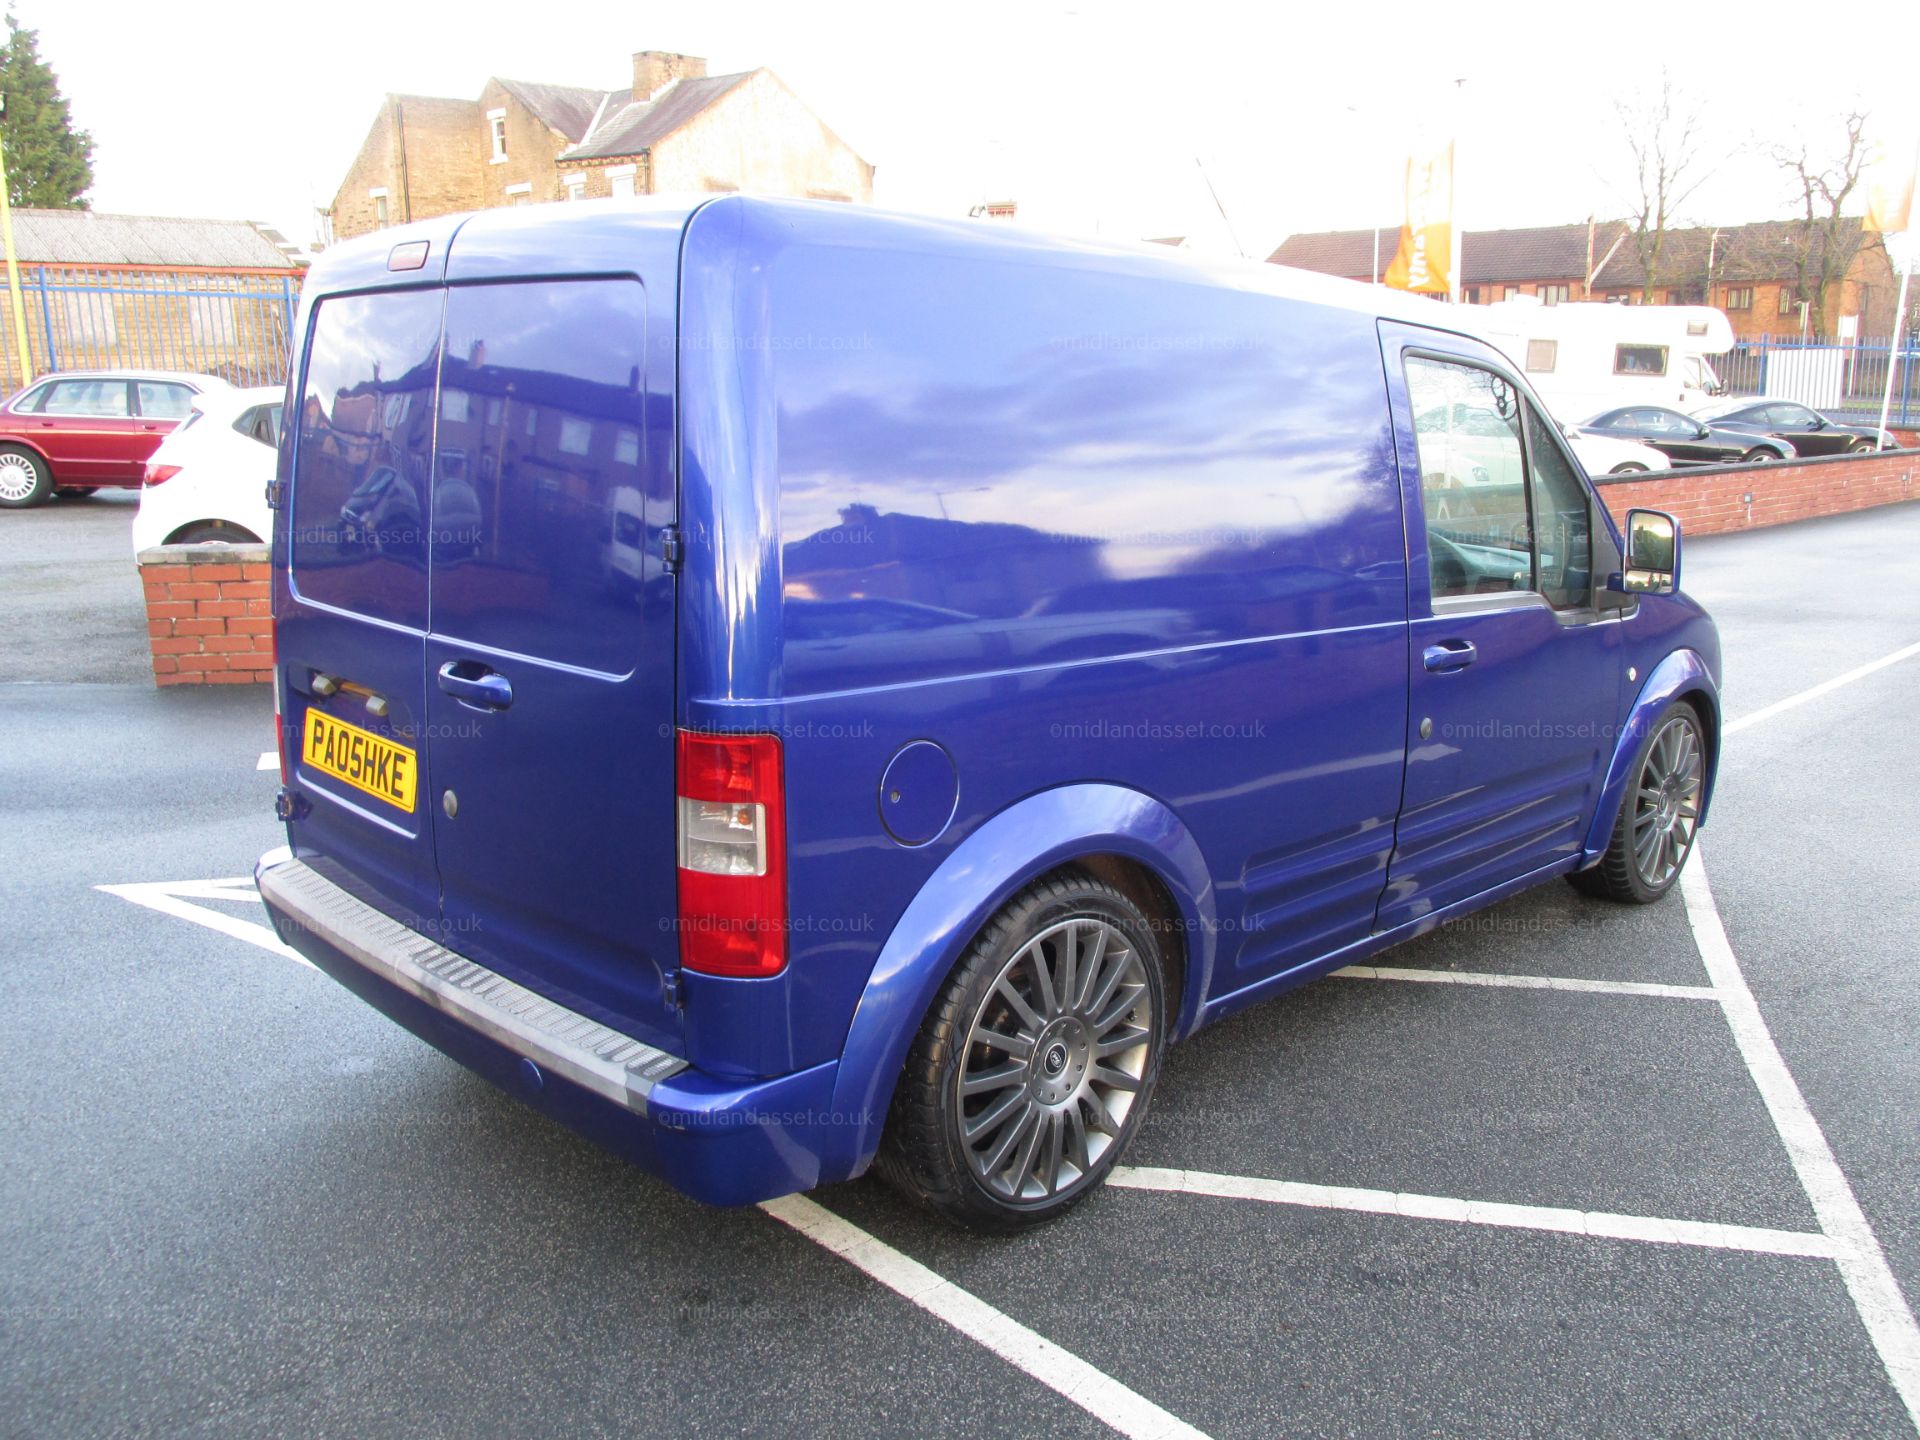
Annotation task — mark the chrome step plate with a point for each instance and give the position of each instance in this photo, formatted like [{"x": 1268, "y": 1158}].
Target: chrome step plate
[{"x": 564, "y": 1041}]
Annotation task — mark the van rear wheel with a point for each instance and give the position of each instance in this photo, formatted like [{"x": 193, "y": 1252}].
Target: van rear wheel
[
  {"x": 1035, "y": 1066},
  {"x": 1659, "y": 814}
]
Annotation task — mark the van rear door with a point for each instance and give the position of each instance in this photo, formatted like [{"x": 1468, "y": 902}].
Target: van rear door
[
  {"x": 549, "y": 658},
  {"x": 350, "y": 634}
]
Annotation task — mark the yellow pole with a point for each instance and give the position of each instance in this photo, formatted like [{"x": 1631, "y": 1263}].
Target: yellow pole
[{"x": 13, "y": 266}]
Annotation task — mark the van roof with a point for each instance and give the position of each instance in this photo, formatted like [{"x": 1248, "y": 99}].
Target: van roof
[{"x": 558, "y": 230}]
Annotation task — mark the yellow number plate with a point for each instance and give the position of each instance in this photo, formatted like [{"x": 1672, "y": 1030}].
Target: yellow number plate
[{"x": 364, "y": 760}]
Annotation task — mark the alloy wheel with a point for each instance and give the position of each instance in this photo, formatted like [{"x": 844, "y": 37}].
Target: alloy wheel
[
  {"x": 1667, "y": 803},
  {"x": 1054, "y": 1060},
  {"x": 18, "y": 477}
]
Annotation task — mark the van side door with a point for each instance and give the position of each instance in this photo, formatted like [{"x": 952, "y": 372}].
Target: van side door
[{"x": 1515, "y": 643}]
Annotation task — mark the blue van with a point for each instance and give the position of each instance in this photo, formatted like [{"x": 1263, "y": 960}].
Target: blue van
[{"x": 780, "y": 685}]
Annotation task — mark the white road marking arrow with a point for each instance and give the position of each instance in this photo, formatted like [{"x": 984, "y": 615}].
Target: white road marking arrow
[{"x": 175, "y": 897}]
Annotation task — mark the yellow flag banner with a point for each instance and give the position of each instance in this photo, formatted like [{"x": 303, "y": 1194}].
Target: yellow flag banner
[
  {"x": 1890, "y": 191},
  {"x": 1424, "y": 260}
]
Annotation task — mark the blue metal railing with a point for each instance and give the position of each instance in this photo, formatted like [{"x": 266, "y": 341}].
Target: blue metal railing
[
  {"x": 1836, "y": 376},
  {"x": 235, "y": 324}
]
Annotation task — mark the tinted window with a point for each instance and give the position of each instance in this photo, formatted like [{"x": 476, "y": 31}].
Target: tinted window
[
  {"x": 86, "y": 397},
  {"x": 1639, "y": 359},
  {"x": 360, "y": 466},
  {"x": 161, "y": 401},
  {"x": 1797, "y": 416},
  {"x": 539, "y": 486},
  {"x": 1562, "y": 523},
  {"x": 261, "y": 422},
  {"x": 1472, "y": 478}
]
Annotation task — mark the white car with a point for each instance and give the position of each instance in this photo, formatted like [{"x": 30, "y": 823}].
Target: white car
[
  {"x": 1604, "y": 455},
  {"x": 207, "y": 483}
]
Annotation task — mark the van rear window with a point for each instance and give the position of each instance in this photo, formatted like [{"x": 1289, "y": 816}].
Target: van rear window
[{"x": 362, "y": 460}]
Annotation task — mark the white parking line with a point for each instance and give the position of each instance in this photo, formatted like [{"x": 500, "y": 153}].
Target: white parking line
[
  {"x": 1598, "y": 1224},
  {"x": 171, "y": 897},
  {"x": 269, "y": 760},
  {"x": 1863, "y": 1265},
  {"x": 1100, "y": 1395},
  {"x": 1859, "y": 672},
  {"x": 1526, "y": 982}
]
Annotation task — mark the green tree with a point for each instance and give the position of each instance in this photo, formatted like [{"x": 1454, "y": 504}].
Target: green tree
[{"x": 49, "y": 163}]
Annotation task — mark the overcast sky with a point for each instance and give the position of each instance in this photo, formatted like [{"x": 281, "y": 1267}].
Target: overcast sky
[{"x": 1096, "y": 118}]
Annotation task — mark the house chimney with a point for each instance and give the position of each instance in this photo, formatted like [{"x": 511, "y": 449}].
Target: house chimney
[{"x": 654, "y": 70}]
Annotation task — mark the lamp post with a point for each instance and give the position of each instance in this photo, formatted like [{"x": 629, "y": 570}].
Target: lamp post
[{"x": 13, "y": 265}]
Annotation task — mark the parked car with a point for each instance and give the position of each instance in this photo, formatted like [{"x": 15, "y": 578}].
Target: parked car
[
  {"x": 207, "y": 483},
  {"x": 939, "y": 905},
  {"x": 1606, "y": 455},
  {"x": 1807, "y": 431},
  {"x": 90, "y": 429},
  {"x": 1683, "y": 439}
]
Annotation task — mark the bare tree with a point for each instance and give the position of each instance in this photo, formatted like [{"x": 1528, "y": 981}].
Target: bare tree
[
  {"x": 1824, "y": 243},
  {"x": 1663, "y": 131}
]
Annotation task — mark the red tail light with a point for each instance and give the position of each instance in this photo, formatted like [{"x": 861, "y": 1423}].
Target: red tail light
[
  {"x": 732, "y": 830},
  {"x": 279, "y": 725},
  {"x": 160, "y": 474}
]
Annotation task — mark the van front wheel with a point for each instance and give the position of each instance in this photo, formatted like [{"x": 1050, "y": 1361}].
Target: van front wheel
[
  {"x": 1034, "y": 1068},
  {"x": 1658, "y": 815}
]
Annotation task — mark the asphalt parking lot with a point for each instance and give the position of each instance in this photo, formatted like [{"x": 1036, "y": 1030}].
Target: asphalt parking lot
[{"x": 1527, "y": 1178}]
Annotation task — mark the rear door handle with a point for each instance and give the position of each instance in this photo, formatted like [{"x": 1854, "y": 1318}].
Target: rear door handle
[
  {"x": 472, "y": 683},
  {"x": 1449, "y": 655}
]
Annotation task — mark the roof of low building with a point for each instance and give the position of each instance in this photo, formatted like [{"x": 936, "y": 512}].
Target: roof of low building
[
  {"x": 1764, "y": 250},
  {"x": 627, "y": 126},
  {"x": 569, "y": 109},
  {"x": 87, "y": 237},
  {"x": 1541, "y": 252}
]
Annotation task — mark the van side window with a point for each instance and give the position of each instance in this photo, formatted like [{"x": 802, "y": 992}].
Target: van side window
[
  {"x": 1473, "y": 474},
  {"x": 1562, "y": 524}
]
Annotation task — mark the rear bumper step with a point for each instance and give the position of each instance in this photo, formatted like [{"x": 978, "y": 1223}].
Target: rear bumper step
[
  {"x": 721, "y": 1140},
  {"x": 560, "y": 1041}
]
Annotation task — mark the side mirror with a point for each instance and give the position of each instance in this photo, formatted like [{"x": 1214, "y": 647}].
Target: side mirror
[
  {"x": 1653, "y": 554},
  {"x": 1701, "y": 432}
]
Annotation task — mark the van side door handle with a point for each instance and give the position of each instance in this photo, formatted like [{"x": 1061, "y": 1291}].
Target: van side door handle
[
  {"x": 1449, "y": 655},
  {"x": 476, "y": 685}
]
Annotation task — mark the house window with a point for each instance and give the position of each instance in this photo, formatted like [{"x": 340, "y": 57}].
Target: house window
[
  {"x": 576, "y": 185},
  {"x": 1739, "y": 297},
  {"x": 620, "y": 181},
  {"x": 1554, "y": 294},
  {"x": 576, "y": 436},
  {"x": 497, "y": 129},
  {"x": 1542, "y": 356},
  {"x": 379, "y": 197},
  {"x": 1509, "y": 292},
  {"x": 1470, "y": 294},
  {"x": 1639, "y": 359},
  {"x": 1789, "y": 303},
  {"x": 521, "y": 194}
]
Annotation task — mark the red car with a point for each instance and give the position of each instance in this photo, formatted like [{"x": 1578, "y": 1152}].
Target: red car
[{"x": 87, "y": 429}]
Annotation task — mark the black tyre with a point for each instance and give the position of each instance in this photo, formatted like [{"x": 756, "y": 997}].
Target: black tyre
[
  {"x": 1631, "y": 467},
  {"x": 1757, "y": 456},
  {"x": 24, "y": 478},
  {"x": 1659, "y": 815},
  {"x": 1034, "y": 1068},
  {"x": 213, "y": 532},
  {"x": 1862, "y": 447}
]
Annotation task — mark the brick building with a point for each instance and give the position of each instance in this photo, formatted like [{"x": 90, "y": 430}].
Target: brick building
[
  {"x": 674, "y": 128},
  {"x": 149, "y": 291},
  {"x": 1754, "y": 269},
  {"x": 1551, "y": 261},
  {"x": 1755, "y": 277}
]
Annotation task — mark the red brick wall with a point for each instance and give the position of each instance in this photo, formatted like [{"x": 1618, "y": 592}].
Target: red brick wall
[
  {"x": 1710, "y": 500},
  {"x": 209, "y": 613}
]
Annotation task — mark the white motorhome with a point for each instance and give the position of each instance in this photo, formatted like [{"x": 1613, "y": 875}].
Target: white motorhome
[{"x": 1587, "y": 357}]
